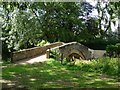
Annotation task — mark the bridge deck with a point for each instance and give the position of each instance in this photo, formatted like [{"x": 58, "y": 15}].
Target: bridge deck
[{"x": 37, "y": 59}]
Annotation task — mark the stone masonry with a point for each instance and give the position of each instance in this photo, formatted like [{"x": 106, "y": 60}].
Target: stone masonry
[
  {"x": 32, "y": 52},
  {"x": 69, "y": 50}
]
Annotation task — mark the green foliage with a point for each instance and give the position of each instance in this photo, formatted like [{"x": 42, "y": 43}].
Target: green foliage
[
  {"x": 100, "y": 43},
  {"x": 105, "y": 65},
  {"x": 43, "y": 43},
  {"x": 54, "y": 53},
  {"x": 113, "y": 50},
  {"x": 118, "y": 48}
]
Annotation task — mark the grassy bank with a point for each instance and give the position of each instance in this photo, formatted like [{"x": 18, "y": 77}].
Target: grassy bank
[{"x": 101, "y": 73}]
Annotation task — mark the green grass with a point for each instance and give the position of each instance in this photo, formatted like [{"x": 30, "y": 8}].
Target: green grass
[{"x": 52, "y": 74}]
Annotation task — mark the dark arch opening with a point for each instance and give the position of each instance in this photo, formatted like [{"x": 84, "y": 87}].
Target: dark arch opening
[{"x": 77, "y": 56}]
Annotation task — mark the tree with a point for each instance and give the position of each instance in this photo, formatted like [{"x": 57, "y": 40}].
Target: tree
[
  {"x": 19, "y": 25},
  {"x": 90, "y": 30},
  {"x": 49, "y": 21},
  {"x": 107, "y": 14}
]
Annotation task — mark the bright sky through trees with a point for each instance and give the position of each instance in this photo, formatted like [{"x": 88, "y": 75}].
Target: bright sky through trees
[{"x": 95, "y": 13}]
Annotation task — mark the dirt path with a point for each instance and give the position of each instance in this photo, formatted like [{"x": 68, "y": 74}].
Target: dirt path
[{"x": 41, "y": 58}]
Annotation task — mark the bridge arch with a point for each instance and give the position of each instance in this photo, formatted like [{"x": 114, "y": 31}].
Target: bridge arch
[
  {"x": 74, "y": 53},
  {"x": 72, "y": 49},
  {"x": 77, "y": 55}
]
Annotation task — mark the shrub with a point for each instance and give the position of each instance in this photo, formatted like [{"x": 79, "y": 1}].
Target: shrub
[
  {"x": 104, "y": 65},
  {"x": 118, "y": 48},
  {"x": 113, "y": 50}
]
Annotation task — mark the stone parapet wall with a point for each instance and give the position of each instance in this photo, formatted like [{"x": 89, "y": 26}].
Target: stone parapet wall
[
  {"x": 32, "y": 52},
  {"x": 99, "y": 53}
]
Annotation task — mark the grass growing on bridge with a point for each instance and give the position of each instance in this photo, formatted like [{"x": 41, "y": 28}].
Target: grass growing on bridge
[{"x": 101, "y": 73}]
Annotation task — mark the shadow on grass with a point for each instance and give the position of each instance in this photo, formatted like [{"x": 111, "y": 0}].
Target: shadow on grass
[{"x": 52, "y": 74}]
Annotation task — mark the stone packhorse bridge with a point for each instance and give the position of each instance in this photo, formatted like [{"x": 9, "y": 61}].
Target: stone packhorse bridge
[
  {"x": 60, "y": 51},
  {"x": 71, "y": 50}
]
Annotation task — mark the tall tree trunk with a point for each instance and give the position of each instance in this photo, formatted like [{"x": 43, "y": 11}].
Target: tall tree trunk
[
  {"x": 0, "y": 42},
  {"x": 0, "y": 49},
  {"x": 119, "y": 23}
]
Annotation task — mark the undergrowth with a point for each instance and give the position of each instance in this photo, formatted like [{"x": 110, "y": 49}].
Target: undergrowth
[{"x": 104, "y": 65}]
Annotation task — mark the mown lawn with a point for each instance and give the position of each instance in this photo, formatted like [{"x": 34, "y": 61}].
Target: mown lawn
[{"x": 52, "y": 74}]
